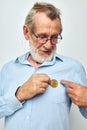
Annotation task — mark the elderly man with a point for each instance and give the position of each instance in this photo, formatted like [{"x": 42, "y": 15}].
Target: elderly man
[{"x": 31, "y": 95}]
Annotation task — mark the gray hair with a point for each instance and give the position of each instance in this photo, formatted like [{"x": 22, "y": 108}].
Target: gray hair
[{"x": 50, "y": 10}]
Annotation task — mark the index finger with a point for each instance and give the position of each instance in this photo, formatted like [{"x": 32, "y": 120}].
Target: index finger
[{"x": 69, "y": 83}]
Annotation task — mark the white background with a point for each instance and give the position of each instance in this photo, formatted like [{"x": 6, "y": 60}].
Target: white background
[{"x": 74, "y": 43}]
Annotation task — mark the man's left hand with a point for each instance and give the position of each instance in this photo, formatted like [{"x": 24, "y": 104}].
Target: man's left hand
[{"x": 77, "y": 93}]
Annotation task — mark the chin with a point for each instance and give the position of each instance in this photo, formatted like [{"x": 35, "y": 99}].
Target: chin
[
  {"x": 39, "y": 56},
  {"x": 42, "y": 59}
]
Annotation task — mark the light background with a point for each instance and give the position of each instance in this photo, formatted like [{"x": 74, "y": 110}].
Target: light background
[{"x": 74, "y": 43}]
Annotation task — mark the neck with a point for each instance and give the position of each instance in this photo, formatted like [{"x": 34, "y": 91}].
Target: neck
[{"x": 33, "y": 62}]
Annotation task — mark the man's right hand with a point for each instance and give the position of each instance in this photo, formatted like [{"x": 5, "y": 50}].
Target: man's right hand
[{"x": 36, "y": 84}]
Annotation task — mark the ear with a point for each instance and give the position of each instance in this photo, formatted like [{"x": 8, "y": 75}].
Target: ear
[{"x": 26, "y": 32}]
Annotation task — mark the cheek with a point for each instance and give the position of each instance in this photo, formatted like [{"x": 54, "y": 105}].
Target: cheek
[
  {"x": 37, "y": 46},
  {"x": 53, "y": 48}
]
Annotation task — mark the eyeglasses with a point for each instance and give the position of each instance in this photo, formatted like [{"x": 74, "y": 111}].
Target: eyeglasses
[{"x": 42, "y": 39}]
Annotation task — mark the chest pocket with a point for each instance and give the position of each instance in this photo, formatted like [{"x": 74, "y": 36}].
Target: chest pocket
[{"x": 56, "y": 95}]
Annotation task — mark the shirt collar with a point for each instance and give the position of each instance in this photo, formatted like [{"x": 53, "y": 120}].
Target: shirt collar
[
  {"x": 58, "y": 57},
  {"x": 23, "y": 59}
]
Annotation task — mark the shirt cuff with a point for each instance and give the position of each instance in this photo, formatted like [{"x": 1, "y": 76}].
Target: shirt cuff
[{"x": 12, "y": 103}]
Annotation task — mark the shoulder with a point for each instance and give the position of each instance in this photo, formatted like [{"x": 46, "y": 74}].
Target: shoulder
[
  {"x": 13, "y": 63},
  {"x": 70, "y": 62},
  {"x": 7, "y": 68}
]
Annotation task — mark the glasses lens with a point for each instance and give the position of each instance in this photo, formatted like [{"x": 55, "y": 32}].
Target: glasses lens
[
  {"x": 42, "y": 40},
  {"x": 54, "y": 40}
]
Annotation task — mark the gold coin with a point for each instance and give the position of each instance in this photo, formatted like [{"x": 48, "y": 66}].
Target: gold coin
[{"x": 54, "y": 83}]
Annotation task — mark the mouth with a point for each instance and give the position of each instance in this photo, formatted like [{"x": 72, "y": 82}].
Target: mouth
[{"x": 45, "y": 52}]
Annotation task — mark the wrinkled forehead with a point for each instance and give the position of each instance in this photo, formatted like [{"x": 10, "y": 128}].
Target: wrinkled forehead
[{"x": 41, "y": 21}]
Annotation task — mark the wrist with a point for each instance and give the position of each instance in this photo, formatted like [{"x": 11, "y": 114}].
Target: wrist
[{"x": 19, "y": 94}]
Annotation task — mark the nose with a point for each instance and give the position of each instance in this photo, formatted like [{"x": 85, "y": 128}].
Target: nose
[{"x": 48, "y": 44}]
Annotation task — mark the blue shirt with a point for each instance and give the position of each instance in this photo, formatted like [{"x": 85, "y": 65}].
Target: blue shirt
[{"x": 47, "y": 111}]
